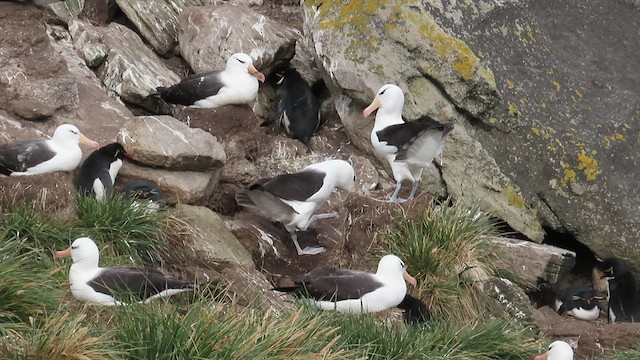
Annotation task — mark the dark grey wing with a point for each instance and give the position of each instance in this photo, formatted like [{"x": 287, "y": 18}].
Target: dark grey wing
[
  {"x": 298, "y": 186},
  {"x": 192, "y": 88},
  {"x": 404, "y": 136},
  {"x": 22, "y": 155},
  {"x": 269, "y": 204},
  {"x": 325, "y": 283},
  {"x": 139, "y": 283}
]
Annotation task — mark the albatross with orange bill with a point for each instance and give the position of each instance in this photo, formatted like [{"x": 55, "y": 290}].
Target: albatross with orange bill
[
  {"x": 31, "y": 157},
  {"x": 236, "y": 84},
  {"x": 354, "y": 291},
  {"x": 115, "y": 285}
]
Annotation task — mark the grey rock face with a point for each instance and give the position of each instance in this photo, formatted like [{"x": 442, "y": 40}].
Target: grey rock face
[
  {"x": 567, "y": 128},
  {"x": 124, "y": 63},
  {"x": 232, "y": 29},
  {"x": 163, "y": 141},
  {"x": 209, "y": 236},
  {"x": 178, "y": 187},
  {"x": 157, "y": 21},
  {"x": 364, "y": 47}
]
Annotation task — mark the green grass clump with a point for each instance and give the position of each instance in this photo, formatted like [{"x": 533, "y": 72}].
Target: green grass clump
[
  {"x": 631, "y": 354},
  {"x": 162, "y": 331},
  {"x": 37, "y": 228},
  {"x": 26, "y": 288},
  {"x": 445, "y": 249},
  {"x": 439, "y": 340},
  {"x": 61, "y": 335},
  {"x": 122, "y": 229}
]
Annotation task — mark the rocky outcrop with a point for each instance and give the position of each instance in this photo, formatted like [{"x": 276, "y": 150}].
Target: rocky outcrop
[
  {"x": 564, "y": 132},
  {"x": 210, "y": 238},
  {"x": 441, "y": 77},
  {"x": 186, "y": 163},
  {"x": 122, "y": 61},
  {"x": 162, "y": 141},
  {"x": 232, "y": 29}
]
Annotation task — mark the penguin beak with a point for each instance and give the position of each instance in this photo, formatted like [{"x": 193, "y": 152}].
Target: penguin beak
[
  {"x": 62, "y": 254},
  {"x": 258, "y": 75},
  {"x": 410, "y": 279},
  {"x": 375, "y": 104},
  {"x": 86, "y": 141}
]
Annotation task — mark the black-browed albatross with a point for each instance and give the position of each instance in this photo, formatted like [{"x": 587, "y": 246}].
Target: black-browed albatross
[
  {"x": 30, "y": 157},
  {"x": 408, "y": 146},
  {"x": 236, "y": 84},
  {"x": 114, "y": 285},
  {"x": 354, "y": 291},
  {"x": 291, "y": 199}
]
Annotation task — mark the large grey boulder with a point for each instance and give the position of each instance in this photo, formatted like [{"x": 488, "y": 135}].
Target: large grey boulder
[
  {"x": 231, "y": 29},
  {"x": 126, "y": 66},
  {"x": 178, "y": 187},
  {"x": 209, "y": 237},
  {"x": 566, "y": 130},
  {"x": 441, "y": 77},
  {"x": 163, "y": 141}
]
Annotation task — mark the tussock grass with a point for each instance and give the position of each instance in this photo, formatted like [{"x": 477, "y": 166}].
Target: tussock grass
[
  {"x": 62, "y": 335},
  {"x": 122, "y": 229},
  {"x": 202, "y": 332},
  {"x": 445, "y": 248},
  {"x": 631, "y": 354},
  {"x": 26, "y": 288}
]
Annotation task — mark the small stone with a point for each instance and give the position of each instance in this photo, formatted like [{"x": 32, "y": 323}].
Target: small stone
[
  {"x": 577, "y": 188},
  {"x": 32, "y": 110}
]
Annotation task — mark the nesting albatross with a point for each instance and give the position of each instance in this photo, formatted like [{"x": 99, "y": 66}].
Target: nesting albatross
[
  {"x": 114, "y": 285},
  {"x": 30, "y": 157},
  {"x": 558, "y": 350},
  {"x": 236, "y": 84},
  {"x": 408, "y": 146},
  {"x": 353, "y": 291},
  {"x": 291, "y": 199}
]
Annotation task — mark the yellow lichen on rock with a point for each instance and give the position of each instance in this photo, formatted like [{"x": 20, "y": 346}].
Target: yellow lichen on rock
[
  {"x": 589, "y": 165},
  {"x": 513, "y": 197}
]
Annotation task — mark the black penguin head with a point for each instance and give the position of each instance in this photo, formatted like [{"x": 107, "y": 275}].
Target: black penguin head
[
  {"x": 143, "y": 190},
  {"x": 613, "y": 267},
  {"x": 114, "y": 150}
]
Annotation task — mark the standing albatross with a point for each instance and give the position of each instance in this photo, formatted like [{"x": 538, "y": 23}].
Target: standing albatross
[
  {"x": 291, "y": 199},
  {"x": 114, "y": 285},
  {"x": 354, "y": 291},
  {"x": 408, "y": 146},
  {"x": 236, "y": 84},
  {"x": 30, "y": 157}
]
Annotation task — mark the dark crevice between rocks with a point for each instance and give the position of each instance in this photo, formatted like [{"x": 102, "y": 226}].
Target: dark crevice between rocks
[{"x": 581, "y": 272}]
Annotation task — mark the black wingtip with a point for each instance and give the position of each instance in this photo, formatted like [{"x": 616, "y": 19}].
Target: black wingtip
[{"x": 287, "y": 289}]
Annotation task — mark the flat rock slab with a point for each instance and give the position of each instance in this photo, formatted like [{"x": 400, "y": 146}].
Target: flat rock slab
[
  {"x": 178, "y": 187},
  {"x": 532, "y": 262},
  {"x": 163, "y": 141}
]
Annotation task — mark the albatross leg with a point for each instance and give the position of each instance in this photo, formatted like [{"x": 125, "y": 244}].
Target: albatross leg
[
  {"x": 394, "y": 196},
  {"x": 320, "y": 217},
  {"x": 306, "y": 251},
  {"x": 414, "y": 188}
]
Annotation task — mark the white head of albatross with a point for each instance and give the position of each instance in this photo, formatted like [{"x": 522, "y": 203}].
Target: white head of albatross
[
  {"x": 30, "y": 157},
  {"x": 558, "y": 350},
  {"x": 407, "y": 146},
  {"x": 114, "y": 285}
]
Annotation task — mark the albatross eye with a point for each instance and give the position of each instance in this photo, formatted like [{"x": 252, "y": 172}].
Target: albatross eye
[
  {"x": 382, "y": 92},
  {"x": 74, "y": 247},
  {"x": 241, "y": 61}
]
